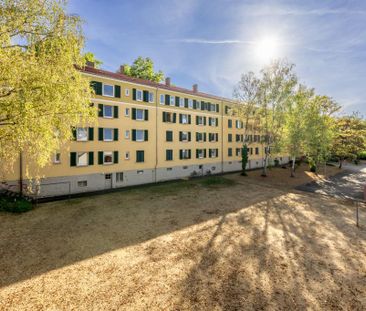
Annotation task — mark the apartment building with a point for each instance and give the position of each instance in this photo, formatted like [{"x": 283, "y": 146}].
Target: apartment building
[{"x": 146, "y": 132}]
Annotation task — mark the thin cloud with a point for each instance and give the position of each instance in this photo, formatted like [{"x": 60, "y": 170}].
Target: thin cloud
[{"x": 266, "y": 11}]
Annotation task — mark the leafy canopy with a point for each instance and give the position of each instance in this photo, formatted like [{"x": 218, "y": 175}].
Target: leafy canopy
[
  {"x": 90, "y": 57},
  {"x": 42, "y": 94},
  {"x": 143, "y": 68}
]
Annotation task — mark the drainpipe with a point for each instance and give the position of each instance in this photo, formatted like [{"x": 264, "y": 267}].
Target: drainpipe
[
  {"x": 156, "y": 133},
  {"x": 20, "y": 173},
  {"x": 222, "y": 136}
]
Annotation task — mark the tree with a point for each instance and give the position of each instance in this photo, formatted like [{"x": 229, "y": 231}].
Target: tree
[
  {"x": 90, "y": 57},
  {"x": 143, "y": 68},
  {"x": 42, "y": 94},
  {"x": 319, "y": 131},
  {"x": 246, "y": 95},
  {"x": 294, "y": 127},
  {"x": 244, "y": 159},
  {"x": 276, "y": 85},
  {"x": 349, "y": 138}
]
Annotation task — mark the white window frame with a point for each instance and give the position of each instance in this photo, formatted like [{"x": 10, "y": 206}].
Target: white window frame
[
  {"x": 104, "y": 109},
  {"x": 185, "y": 154},
  {"x": 127, "y": 92},
  {"x": 238, "y": 124},
  {"x": 127, "y": 155},
  {"x": 151, "y": 97},
  {"x": 190, "y": 103},
  {"x": 172, "y": 100},
  {"x": 183, "y": 134},
  {"x": 127, "y": 134},
  {"x": 127, "y": 112},
  {"x": 104, "y": 155},
  {"x": 201, "y": 154},
  {"x": 139, "y": 95},
  {"x": 162, "y": 99},
  {"x": 104, "y": 134},
  {"x": 143, "y": 135},
  {"x": 105, "y": 84},
  {"x": 202, "y": 120},
  {"x": 170, "y": 116},
  {"x": 55, "y": 160},
  {"x": 198, "y": 105},
  {"x": 118, "y": 177},
  {"x": 78, "y": 157},
  {"x": 181, "y": 102},
  {"x": 202, "y": 137},
  {"x": 213, "y": 153},
  {"x": 143, "y": 115},
  {"x": 86, "y": 134},
  {"x": 213, "y": 122},
  {"x": 186, "y": 118}
]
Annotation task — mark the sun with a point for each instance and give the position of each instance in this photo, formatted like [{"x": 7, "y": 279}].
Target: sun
[{"x": 266, "y": 48}]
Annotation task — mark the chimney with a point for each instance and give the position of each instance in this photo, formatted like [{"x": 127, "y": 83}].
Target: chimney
[
  {"x": 122, "y": 69},
  {"x": 195, "y": 88},
  {"x": 167, "y": 81},
  {"x": 90, "y": 64}
]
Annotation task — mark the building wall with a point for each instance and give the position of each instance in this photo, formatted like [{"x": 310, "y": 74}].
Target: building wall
[{"x": 62, "y": 178}]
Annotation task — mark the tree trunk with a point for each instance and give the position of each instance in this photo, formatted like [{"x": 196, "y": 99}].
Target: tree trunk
[
  {"x": 293, "y": 167},
  {"x": 264, "y": 170},
  {"x": 340, "y": 163}
]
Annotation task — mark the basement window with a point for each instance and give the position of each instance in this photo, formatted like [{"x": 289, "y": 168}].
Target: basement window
[{"x": 82, "y": 183}]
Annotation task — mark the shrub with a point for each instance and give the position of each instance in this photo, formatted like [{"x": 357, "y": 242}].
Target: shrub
[
  {"x": 276, "y": 163},
  {"x": 362, "y": 155},
  {"x": 14, "y": 205}
]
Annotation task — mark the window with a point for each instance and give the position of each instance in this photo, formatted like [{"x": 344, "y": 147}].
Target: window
[
  {"x": 230, "y": 152},
  {"x": 230, "y": 137},
  {"x": 184, "y": 119},
  {"x": 198, "y": 104},
  {"x": 139, "y": 95},
  {"x": 213, "y": 121},
  {"x": 81, "y": 134},
  {"x": 127, "y": 155},
  {"x": 237, "y": 151},
  {"x": 127, "y": 134},
  {"x": 108, "y": 134},
  {"x": 169, "y": 135},
  {"x": 82, "y": 183},
  {"x": 107, "y": 111},
  {"x": 108, "y": 90},
  {"x": 172, "y": 101},
  {"x": 140, "y": 135},
  {"x": 185, "y": 154},
  {"x": 169, "y": 117},
  {"x": 181, "y": 102},
  {"x": 190, "y": 103},
  {"x": 140, "y": 155},
  {"x": 200, "y": 136},
  {"x": 238, "y": 124},
  {"x": 108, "y": 176},
  {"x": 213, "y": 137},
  {"x": 162, "y": 99},
  {"x": 127, "y": 92},
  {"x": 184, "y": 136},
  {"x": 169, "y": 168},
  {"x": 139, "y": 172},
  {"x": 57, "y": 158},
  {"x": 151, "y": 97},
  {"x": 140, "y": 114},
  {"x": 119, "y": 177},
  {"x": 127, "y": 112},
  {"x": 107, "y": 157},
  {"x": 256, "y": 150},
  {"x": 200, "y": 120},
  {"x": 169, "y": 155},
  {"x": 200, "y": 153},
  {"x": 213, "y": 153},
  {"x": 82, "y": 159}
]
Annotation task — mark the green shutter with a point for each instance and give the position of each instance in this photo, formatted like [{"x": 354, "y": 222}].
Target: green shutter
[
  {"x": 197, "y": 152},
  {"x": 204, "y": 120},
  {"x": 204, "y": 137},
  {"x": 177, "y": 101},
  {"x": 73, "y": 130},
  {"x": 100, "y": 110},
  {"x": 91, "y": 133},
  {"x": 204, "y": 153},
  {"x": 145, "y": 96},
  {"x": 217, "y": 121},
  {"x": 72, "y": 158},
  {"x": 203, "y": 105},
  {"x": 180, "y": 154},
  {"x": 164, "y": 116},
  {"x": 115, "y": 112},
  {"x": 146, "y": 135},
  {"x": 91, "y": 158},
  {"x": 194, "y": 104},
  {"x": 100, "y": 134},
  {"x": 115, "y": 134},
  {"x": 186, "y": 102},
  {"x": 97, "y": 86},
  {"x": 133, "y": 113},
  {"x": 209, "y": 121},
  {"x": 189, "y": 136},
  {"x": 146, "y": 114},
  {"x": 134, "y": 94},
  {"x": 217, "y": 108},
  {"x": 117, "y": 91},
  {"x": 196, "y": 120},
  {"x": 133, "y": 135},
  {"x": 174, "y": 117},
  {"x": 100, "y": 157},
  {"x": 189, "y": 119},
  {"x": 115, "y": 157},
  {"x": 180, "y": 118},
  {"x": 167, "y": 99},
  {"x": 180, "y": 136},
  {"x": 189, "y": 154}
]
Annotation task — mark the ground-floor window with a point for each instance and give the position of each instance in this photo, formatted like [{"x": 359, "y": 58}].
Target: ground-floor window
[
  {"x": 119, "y": 177},
  {"x": 82, "y": 183}
]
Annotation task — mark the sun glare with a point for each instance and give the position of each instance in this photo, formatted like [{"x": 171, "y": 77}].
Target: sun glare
[{"x": 266, "y": 49}]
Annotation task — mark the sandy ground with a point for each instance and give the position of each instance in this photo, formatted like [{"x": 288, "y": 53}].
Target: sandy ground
[{"x": 186, "y": 246}]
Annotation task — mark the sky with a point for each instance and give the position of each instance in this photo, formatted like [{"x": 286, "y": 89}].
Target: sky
[{"x": 213, "y": 42}]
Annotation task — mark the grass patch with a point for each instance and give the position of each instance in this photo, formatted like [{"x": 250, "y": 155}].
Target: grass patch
[
  {"x": 14, "y": 205},
  {"x": 216, "y": 181}
]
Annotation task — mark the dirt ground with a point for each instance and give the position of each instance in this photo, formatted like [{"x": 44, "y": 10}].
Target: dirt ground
[{"x": 234, "y": 243}]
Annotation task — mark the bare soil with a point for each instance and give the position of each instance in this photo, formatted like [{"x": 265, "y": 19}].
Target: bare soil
[{"x": 232, "y": 243}]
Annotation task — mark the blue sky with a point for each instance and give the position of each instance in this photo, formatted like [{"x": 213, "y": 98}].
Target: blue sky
[{"x": 212, "y": 42}]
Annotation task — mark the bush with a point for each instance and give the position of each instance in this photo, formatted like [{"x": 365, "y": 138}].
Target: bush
[
  {"x": 14, "y": 205},
  {"x": 276, "y": 163},
  {"x": 313, "y": 168},
  {"x": 362, "y": 155}
]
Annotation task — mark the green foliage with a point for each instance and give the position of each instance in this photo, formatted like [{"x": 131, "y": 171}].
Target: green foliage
[
  {"x": 244, "y": 159},
  {"x": 362, "y": 155},
  {"x": 143, "y": 68},
  {"x": 42, "y": 94},
  {"x": 90, "y": 57},
  {"x": 13, "y": 205}
]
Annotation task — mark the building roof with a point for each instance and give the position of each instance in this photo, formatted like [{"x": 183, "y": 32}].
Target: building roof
[{"x": 123, "y": 77}]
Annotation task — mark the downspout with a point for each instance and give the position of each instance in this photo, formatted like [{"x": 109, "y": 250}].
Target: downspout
[
  {"x": 222, "y": 136},
  {"x": 156, "y": 133},
  {"x": 20, "y": 173}
]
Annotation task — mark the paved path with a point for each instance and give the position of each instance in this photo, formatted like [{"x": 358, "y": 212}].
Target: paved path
[{"x": 346, "y": 185}]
